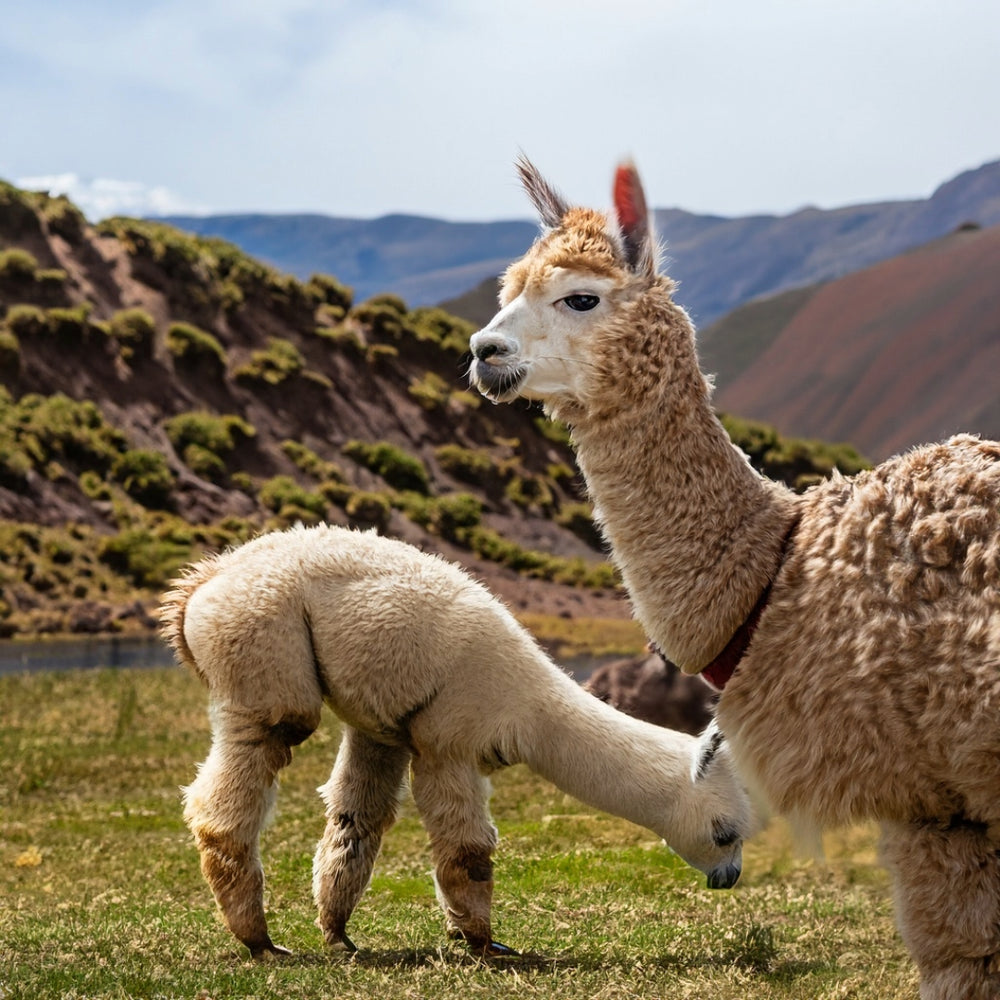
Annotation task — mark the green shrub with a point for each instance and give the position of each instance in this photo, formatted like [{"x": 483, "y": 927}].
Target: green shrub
[
  {"x": 134, "y": 330},
  {"x": 368, "y": 510},
  {"x": 553, "y": 430},
  {"x": 447, "y": 331},
  {"x": 383, "y": 316},
  {"x": 25, "y": 320},
  {"x": 799, "y": 463},
  {"x": 50, "y": 280},
  {"x": 93, "y": 486},
  {"x": 17, "y": 265},
  {"x": 529, "y": 491},
  {"x": 64, "y": 219},
  {"x": 280, "y": 360},
  {"x": 10, "y": 351},
  {"x": 560, "y": 472},
  {"x": 57, "y": 428},
  {"x": 310, "y": 463},
  {"x": 70, "y": 324},
  {"x": 280, "y": 492},
  {"x": 243, "y": 481},
  {"x": 453, "y": 514},
  {"x": 395, "y": 466},
  {"x": 344, "y": 337},
  {"x": 217, "y": 434},
  {"x": 335, "y": 491},
  {"x": 193, "y": 346},
  {"x": 204, "y": 463},
  {"x": 331, "y": 292},
  {"x": 379, "y": 354},
  {"x": 579, "y": 518},
  {"x": 430, "y": 390},
  {"x": 467, "y": 464},
  {"x": 145, "y": 476},
  {"x": 145, "y": 558}
]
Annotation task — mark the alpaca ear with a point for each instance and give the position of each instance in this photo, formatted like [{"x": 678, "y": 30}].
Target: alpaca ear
[
  {"x": 551, "y": 206},
  {"x": 633, "y": 219}
]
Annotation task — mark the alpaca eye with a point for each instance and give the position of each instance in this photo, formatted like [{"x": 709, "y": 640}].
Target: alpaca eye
[{"x": 581, "y": 303}]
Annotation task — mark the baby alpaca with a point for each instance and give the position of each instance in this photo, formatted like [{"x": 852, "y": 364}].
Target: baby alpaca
[
  {"x": 428, "y": 671},
  {"x": 854, "y": 630}
]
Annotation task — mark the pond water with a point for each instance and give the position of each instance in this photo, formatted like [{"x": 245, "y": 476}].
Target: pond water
[
  {"x": 17, "y": 656},
  {"x": 116, "y": 651}
]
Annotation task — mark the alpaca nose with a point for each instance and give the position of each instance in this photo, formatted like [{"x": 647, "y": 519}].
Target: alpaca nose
[
  {"x": 484, "y": 346},
  {"x": 726, "y": 875}
]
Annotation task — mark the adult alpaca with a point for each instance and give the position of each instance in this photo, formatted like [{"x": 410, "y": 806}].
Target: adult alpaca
[
  {"x": 854, "y": 629},
  {"x": 429, "y": 671}
]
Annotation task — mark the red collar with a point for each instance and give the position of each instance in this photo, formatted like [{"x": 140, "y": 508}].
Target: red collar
[
  {"x": 719, "y": 672},
  {"x": 722, "y": 668}
]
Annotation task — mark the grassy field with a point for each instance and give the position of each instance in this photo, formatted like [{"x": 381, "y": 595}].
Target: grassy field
[{"x": 100, "y": 893}]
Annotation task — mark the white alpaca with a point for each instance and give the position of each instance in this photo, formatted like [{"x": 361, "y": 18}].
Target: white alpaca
[
  {"x": 428, "y": 670},
  {"x": 854, "y": 629}
]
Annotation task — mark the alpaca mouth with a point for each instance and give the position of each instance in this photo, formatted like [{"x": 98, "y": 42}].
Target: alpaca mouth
[{"x": 499, "y": 384}]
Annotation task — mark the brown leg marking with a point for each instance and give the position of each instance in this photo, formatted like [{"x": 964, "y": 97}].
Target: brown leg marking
[
  {"x": 465, "y": 888},
  {"x": 234, "y": 873}
]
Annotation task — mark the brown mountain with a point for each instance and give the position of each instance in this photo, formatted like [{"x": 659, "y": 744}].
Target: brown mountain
[{"x": 896, "y": 354}]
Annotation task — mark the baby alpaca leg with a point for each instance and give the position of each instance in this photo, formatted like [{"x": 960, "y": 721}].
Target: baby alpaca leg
[
  {"x": 226, "y": 806},
  {"x": 453, "y": 801},
  {"x": 361, "y": 798},
  {"x": 947, "y": 892}
]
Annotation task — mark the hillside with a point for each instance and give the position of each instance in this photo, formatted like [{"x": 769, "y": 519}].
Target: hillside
[
  {"x": 163, "y": 395},
  {"x": 720, "y": 263},
  {"x": 896, "y": 354}
]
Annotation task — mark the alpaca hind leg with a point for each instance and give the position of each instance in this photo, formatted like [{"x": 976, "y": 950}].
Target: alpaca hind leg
[
  {"x": 453, "y": 798},
  {"x": 947, "y": 891},
  {"x": 226, "y": 807},
  {"x": 361, "y": 799}
]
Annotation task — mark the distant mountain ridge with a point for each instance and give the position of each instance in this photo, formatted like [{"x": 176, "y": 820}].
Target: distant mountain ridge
[{"x": 721, "y": 263}]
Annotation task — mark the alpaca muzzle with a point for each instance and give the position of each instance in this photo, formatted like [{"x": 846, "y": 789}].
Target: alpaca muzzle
[{"x": 726, "y": 875}]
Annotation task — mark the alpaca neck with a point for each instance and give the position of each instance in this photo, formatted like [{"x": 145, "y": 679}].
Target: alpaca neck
[
  {"x": 606, "y": 759},
  {"x": 695, "y": 531}
]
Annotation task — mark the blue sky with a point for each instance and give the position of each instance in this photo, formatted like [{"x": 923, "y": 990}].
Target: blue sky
[{"x": 364, "y": 108}]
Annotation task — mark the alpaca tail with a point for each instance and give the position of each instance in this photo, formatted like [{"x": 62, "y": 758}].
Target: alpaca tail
[{"x": 173, "y": 605}]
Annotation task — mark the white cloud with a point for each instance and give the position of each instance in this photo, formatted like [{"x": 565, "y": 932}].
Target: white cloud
[{"x": 101, "y": 197}]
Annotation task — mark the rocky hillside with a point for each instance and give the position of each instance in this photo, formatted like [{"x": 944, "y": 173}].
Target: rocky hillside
[
  {"x": 163, "y": 395},
  {"x": 900, "y": 353}
]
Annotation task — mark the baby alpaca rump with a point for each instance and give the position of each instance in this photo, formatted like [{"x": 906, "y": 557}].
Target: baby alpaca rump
[
  {"x": 854, "y": 630},
  {"x": 428, "y": 672}
]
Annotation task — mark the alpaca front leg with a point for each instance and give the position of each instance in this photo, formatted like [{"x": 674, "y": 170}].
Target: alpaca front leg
[
  {"x": 946, "y": 883},
  {"x": 453, "y": 801},
  {"x": 226, "y": 806},
  {"x": 361, "y": 798}
]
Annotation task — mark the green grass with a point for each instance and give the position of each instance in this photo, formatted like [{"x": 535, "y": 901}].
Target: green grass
[{"x": 101, "y": 896}]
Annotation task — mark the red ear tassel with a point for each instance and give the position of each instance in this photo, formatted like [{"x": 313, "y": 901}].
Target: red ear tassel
[{"x": 630, "y": 202}]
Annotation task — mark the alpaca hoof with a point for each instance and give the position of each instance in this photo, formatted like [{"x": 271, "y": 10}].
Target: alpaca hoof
[
  {"x": 344, "y": 946},
  {"x": 724, "y": 877},
  {"x": 269, "y": 953}
]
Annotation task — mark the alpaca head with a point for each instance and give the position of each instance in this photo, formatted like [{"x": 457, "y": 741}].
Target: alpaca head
[
  {"x": 708, "y": 829},
  {"x": 574, "y": 327}
]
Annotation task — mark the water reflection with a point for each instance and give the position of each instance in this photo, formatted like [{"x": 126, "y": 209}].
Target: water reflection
[{"x": 116, "y": 651}]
